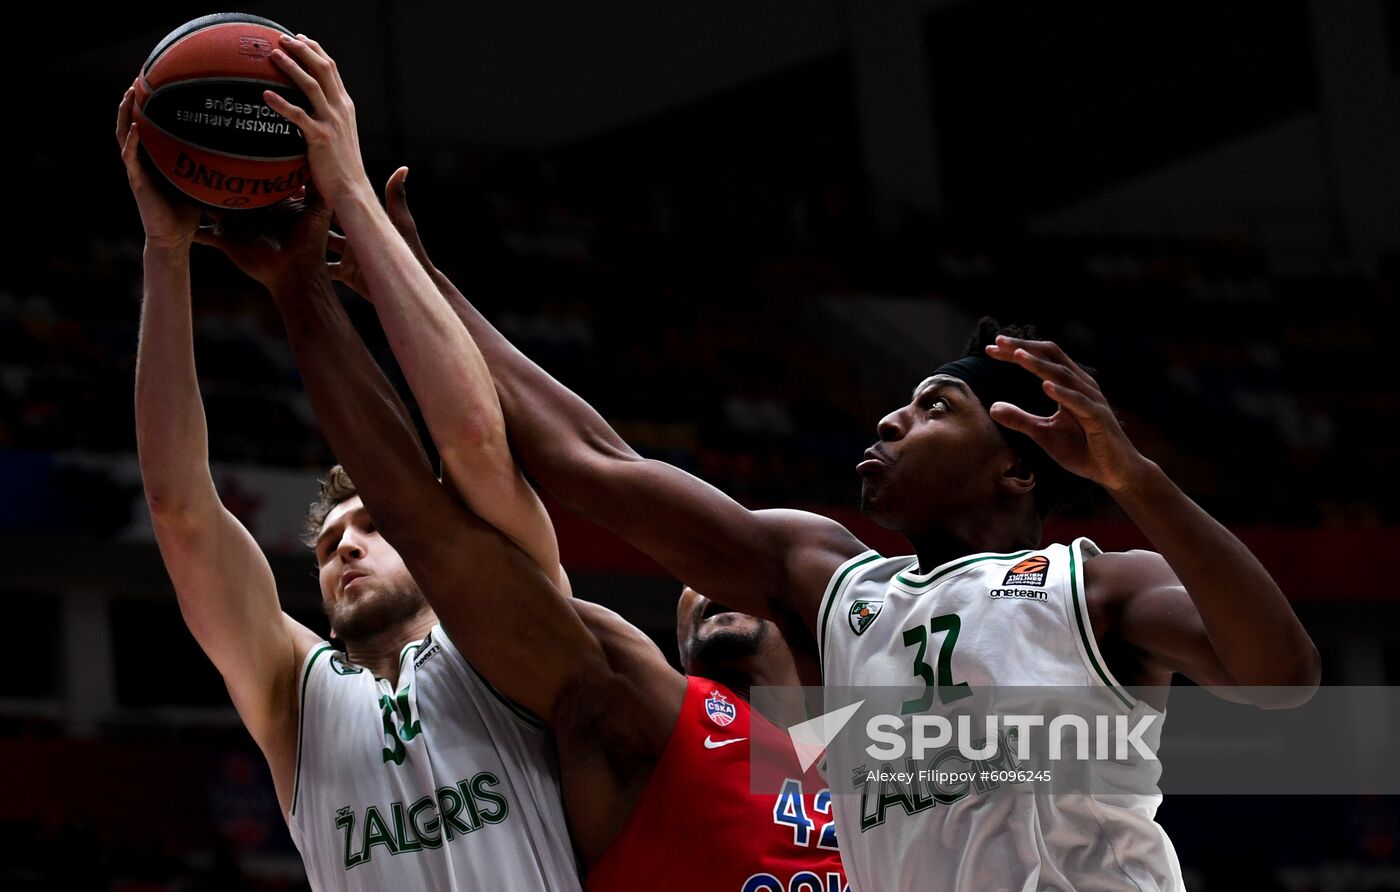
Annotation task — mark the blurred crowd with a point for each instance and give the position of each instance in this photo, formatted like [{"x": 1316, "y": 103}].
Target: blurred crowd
[
  {"x": 143, "y": 807},
  {"x": 1261, "y": 387}
]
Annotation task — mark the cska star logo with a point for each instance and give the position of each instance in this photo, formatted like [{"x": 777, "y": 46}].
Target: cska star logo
[
  {"x": 719, "y": 709},
  {"x": 863, "y": 613}
]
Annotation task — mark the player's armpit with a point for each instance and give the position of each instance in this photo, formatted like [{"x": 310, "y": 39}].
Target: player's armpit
[
  {"x": 612, "y": 734},
  {"x": 228, "y": 598},
  {"x": 659, "y": 689}
]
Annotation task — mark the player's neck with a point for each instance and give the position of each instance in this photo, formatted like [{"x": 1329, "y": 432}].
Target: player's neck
[
  {"x": 745, "y": 675},
  {"x": 996, "y": 535},
  {"x": 768, "y": 671},
  {"x": 770, "y": 665},
  {"x": 379, "y": 652}
]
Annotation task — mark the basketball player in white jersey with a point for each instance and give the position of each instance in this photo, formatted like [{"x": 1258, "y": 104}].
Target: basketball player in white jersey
[
  {"x": 967, "y": 475},
  {"x": 395, "y": 764}
]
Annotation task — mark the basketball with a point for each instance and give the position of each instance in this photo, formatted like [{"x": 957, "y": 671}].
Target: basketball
[{"x": 204, "y": 124}]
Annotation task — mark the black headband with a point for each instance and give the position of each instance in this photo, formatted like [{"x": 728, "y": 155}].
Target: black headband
[{"x": 994, "y": 381}]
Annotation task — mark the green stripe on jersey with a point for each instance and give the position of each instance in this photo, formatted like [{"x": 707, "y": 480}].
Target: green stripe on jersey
[
  {"x": 1090, "y": 647},
  {"x": 833, "y": 592},
  {"x": 924, "y": 583},
  {"x": 516, "y": 709},
  {"x": 301, "y": 721}
]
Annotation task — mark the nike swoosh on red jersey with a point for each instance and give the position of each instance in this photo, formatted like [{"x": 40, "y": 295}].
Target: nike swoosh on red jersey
[{"x": 716, "y": 744}]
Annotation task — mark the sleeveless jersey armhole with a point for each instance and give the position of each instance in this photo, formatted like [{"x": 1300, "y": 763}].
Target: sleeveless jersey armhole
[
  {"x": 1081, "y": 550},
  {"x": 310, "y": 662},
  {"x": 834, "y": 589},
  {"x": 519, "y": 714}
]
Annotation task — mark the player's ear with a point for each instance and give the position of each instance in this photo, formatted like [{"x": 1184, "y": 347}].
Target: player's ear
[{"x": 1016, "y": 476}]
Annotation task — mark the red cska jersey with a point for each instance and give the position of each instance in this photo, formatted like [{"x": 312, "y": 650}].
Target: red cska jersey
[{"x": 697, "y": 828}]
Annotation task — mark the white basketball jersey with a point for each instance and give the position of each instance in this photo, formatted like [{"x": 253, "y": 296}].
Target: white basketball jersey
[
  {"x": 1001, "y": 620},
  {"x": 441, "y": 784}
]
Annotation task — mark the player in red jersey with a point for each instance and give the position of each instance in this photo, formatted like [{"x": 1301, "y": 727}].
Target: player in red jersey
[
  {"x": 693, "y": 825},
  {"x": 654, "y": 765}
]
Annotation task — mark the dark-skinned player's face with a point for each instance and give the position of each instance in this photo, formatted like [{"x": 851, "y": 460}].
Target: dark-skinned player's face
[
  {"x": 709, "y": 635},
  {"x": 937, "y": 457}
]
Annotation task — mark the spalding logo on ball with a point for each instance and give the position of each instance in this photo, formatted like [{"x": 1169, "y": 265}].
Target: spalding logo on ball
[{"x": 203, "y": 121}]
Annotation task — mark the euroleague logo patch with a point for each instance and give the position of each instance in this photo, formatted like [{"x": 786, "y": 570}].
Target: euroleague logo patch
[
  {"x": 719, "y": 709},
  {"x": 1031, "y": 571}
]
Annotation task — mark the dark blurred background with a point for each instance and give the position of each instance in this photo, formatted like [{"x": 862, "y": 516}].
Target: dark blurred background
[{"x": 744, "y": 232}]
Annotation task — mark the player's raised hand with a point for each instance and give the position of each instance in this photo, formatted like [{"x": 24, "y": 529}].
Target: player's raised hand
[
  {"x": 396, "y": 203},
  {"x": 280, "y": 246},
  {"x": 332, "y": 137},
  {"x": 347, "y": 268},
  {"x": 168, "y": 223},
  {"x": 1083, "y": 435}
]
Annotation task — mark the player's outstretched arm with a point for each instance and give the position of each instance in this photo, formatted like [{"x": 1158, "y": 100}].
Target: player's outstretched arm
[
  {"x": 222, "y": 580},
  {"x": 768, "y": 563},
  {"x": 1204, "y": 606},
  {"x": 444, "y": 369},
  {"x": 453, "y": 386}
]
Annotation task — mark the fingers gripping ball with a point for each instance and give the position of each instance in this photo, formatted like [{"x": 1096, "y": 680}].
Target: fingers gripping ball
[{"x": 204, "y": 124}]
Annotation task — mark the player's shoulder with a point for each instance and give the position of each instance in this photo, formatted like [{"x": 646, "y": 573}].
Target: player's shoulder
[
  {"x": 815, "y": 545},
  {"x": 810, "y": 528},
  {"x": 1113, "y": 577},
  {"x": 305, "y": 643},
  {"x": 626, "y": 646},
  {"x": 606, "y": 623}
]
